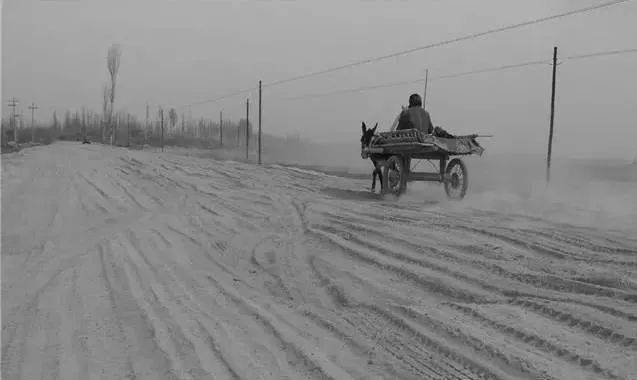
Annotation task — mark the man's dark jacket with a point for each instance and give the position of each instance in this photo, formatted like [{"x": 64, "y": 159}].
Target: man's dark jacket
[{"x": 415, "y": 118}]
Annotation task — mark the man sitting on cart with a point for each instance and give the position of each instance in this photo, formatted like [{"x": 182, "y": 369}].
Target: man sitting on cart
[{"x": 416, "y": 117}]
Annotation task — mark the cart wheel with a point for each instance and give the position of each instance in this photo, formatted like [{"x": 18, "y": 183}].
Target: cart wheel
[
  {"x": 394, "y": 176},
  {"x": 457, "y": 179}
]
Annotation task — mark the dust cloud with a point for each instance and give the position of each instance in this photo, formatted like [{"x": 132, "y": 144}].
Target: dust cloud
[{"x": 584, "y": 192}]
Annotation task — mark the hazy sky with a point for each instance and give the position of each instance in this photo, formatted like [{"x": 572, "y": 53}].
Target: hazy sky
[{"x": 178, "y": 52}]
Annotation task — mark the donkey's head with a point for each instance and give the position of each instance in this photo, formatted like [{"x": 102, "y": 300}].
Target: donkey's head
[{"x": 367, "y": 135}]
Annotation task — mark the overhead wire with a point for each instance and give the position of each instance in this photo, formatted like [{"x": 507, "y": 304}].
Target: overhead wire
[
  {"x": 460, "y": 74},
  {"x": 448, "y": 42},
  {"x": 415, "y": 49},
  {"x": 600, "y": 54},
  {"x": 220, "y": 97}
]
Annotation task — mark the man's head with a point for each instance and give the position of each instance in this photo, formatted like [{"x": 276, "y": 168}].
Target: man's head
[{"x": 415, "y": 100}]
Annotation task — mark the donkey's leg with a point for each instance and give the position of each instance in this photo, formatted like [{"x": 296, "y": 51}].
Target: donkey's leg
[{"x": 374, "y": 180}]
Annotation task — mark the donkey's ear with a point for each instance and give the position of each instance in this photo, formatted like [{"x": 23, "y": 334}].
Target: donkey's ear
[
  {"x": 364, "y": 127},
  {"x": 375, "y": 126}
]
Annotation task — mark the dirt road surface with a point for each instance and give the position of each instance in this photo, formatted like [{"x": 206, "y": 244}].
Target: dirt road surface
[{"x": 122, "y": 264}]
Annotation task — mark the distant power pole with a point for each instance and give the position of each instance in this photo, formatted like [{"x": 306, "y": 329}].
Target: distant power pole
[
  {"x": 33, "y": 107},
  {"x": 20, "y": 117},
  {"x": 128, "y": 130},
  {"x": 424, "y": 98},
  {"x": 548, "y": 157},
  {"x": 221, "y": 128},
  {"x": 239, "y": 134},
  {"x": 259, "y": 122},
  {"x": 161, "y": 115},
  {"x": 13, "y": 103},
  {"x": 147, "y": 127},
  {"x": 247, "y": 126}
]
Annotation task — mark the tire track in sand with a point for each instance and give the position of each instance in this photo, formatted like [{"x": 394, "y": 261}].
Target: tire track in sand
[
  {"x": 544, "y": 281},
  {"x": 296, "y": 357},
  {"x": 178, "y": 316},
  {"x": 569, "y": 319},
  {"x": 430, "y": 286},
  {"x": 419, "y": 354},
  {"x": 134, "y": 324},
  {"x": 538, "y": 342}
]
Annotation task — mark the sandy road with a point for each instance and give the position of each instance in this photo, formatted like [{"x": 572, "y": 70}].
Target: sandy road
[{"x": 124, "y": 264}]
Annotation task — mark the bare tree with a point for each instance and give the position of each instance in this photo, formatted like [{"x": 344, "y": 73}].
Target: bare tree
[
  {"x": 112, "y": 64},
  {"x": 106, "y": 96}
]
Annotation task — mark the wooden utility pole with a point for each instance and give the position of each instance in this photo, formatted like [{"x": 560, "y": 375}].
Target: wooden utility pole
[
  {"x": 33, "y": 107},
  {"x": 548, "y": 157},
  {"x": 146, "y": 127},
  {"x": 259, "y": 122},
  {"x": 424, "y": 98},
  {"x": 20, "y": 117},
  {"x": 247, "y": 126},
  {"x": 161, "y": 116},
  {"x": 128, "y": 130},
  {"x": 183, "y": 124},
  {"x": 221, "y": 128},
  {"x": 13, "y": 103}
]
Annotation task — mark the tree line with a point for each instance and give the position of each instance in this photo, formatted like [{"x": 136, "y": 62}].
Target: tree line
[
  {"x": 121, "y": 128},
  {"x": 125, "y": 129}
]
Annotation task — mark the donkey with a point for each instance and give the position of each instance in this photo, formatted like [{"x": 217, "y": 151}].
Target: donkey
[{"x": 365, "y": 141}]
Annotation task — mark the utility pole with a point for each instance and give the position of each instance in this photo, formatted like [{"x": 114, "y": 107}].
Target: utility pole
[
  {"x": 146, "y": 127},
  {"x": 183, "y": 124},
  {"x": 13, "y": 103},
  {"x": 19, "y": 117},
  {"x": 548, "y": 157},
  {"x": 33, "y": 107},
  {"x": 161, "y": 115},
  {"x": 247, "y": 126},
  {"x": 424, "y": 98},
  {"x": 221, "y": 127},
  {"x": 128, "y": 130},
  {"x": 259, "y": 122}
]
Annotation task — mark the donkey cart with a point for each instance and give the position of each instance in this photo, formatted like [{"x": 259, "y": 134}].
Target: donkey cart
[{"x": 392, "y": 153}]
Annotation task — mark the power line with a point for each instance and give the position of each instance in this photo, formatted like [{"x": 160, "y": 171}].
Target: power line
[
  {"x": 450, "y": 41},
  {"x": 491, "y": 69},
  {"x": 413, "y": 81},
  {"x": 461, "y": 74},
  {"x": 601, "y": 54},
  {"x": 357, "y": 89},
  {"x": 221, "y": 97},
  {"x": 412, "y": 50}
]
